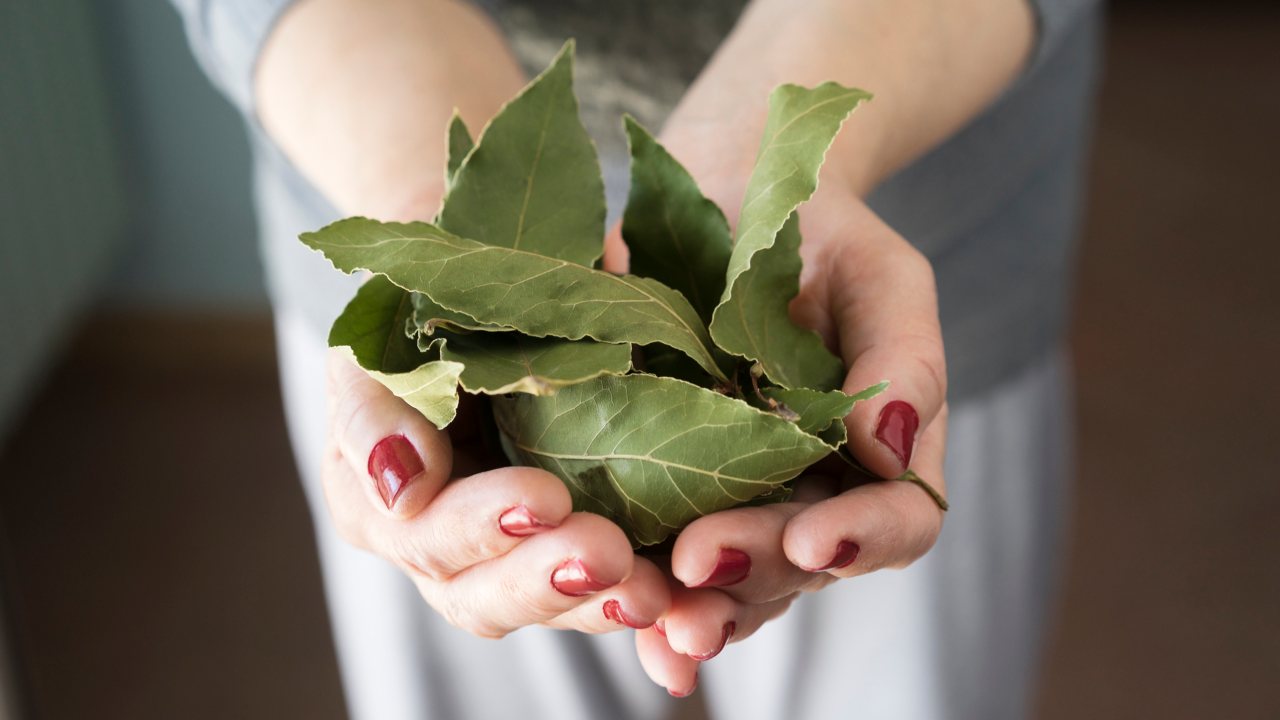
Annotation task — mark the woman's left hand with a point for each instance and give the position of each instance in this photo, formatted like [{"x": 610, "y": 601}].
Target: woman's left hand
[{"x": 873, "y": 299}]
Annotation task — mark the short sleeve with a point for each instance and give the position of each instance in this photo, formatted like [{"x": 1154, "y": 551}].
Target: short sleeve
[
  {"x": 1055, "y": 19},
  {"x": 226, "y": 37}
]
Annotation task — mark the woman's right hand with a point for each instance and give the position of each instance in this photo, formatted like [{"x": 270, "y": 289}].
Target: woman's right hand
[{"x": 491, "y": 551}]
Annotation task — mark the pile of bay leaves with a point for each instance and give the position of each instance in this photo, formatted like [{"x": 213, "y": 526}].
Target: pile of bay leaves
[{"x": 657, "y": 397}]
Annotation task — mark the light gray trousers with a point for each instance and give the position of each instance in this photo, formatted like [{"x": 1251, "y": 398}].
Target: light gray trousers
[{"x": 955, "y": 636}]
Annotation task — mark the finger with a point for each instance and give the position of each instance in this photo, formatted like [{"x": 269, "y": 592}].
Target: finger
[
  {"x": 545, "y": 576},
  {"x": 740, "y": 552},
  {"x": 617, "y": 257},
  {"x": 882, "y": 524},
  {"x": 403, "y": 457},
  {"x": 884, "y": 302},
  {"x": 676, "y": 672},
  {"x": 636, "y": 602},
  {"x": 475, "y": 519},
  {"x": 701, "y": 622}
]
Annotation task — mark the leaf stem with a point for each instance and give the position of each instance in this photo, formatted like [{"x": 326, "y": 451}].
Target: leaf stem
[{"x": 911, "y": 477}]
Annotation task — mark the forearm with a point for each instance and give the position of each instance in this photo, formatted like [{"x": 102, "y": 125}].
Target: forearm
[
  {"x": 358, "y": 93},
  {"x": 932, "y": 65}
]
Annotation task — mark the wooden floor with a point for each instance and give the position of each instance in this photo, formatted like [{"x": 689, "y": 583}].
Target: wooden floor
[{"x": 157, "y": 554}]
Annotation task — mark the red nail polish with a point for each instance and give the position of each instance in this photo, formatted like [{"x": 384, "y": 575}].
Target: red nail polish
[
  {"x": 519, "y": 522},
  {"x": 686, "y": 693},
  {"x": 572, "y": 578},
  {"x": 846, "y": 553},
  {"x": 732, "y": 566},
  {"x": 897, "y": 430},
  {"x": 393, "y": 463},
  {"x": 613, "y": 611},
  {"x": 729, "y": 627}
]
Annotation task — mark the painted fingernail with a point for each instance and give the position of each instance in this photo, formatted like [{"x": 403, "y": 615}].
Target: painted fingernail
[
  {"x": 393, "y": 464},
  {"x": 729, "y": 627},
  {"x": 846, "y": 553},
  {"x": 573, "y": 579},
  {"x": 897, "y": 430},
  {"x": 613, "y": 611},
  {"x": 732, "y": 566},
  {"x": 686, "y": 693},
  {"x": 519, "y": 522}
]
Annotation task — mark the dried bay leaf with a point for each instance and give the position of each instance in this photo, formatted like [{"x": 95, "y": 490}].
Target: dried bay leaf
[
  {"x": 532, "y": 293},
  {"x": 372, "y": 328},
  {"x": 652, "y": 453},
  {"x": 801, "y": 125},
  {"x": 675, "y": 234},
  {"x": 505, "y": 362},
  {"x": 457, "y": 144},
  {"x": 499, "y": 297},
  {"x": 429, "y": 316},
  {"x": 818, "y": 413},
  {"x": 532, "y": 182}
]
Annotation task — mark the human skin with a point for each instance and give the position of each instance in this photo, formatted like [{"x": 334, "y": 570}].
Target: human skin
[{"x": 359, "y": 103}]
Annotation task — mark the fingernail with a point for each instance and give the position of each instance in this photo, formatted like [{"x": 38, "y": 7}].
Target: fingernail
[
  {"x": 613, "y": 611},
  {"x": 729, "y": 627},
  {"x": 393, "y": 463},
  {"x": 572, "y": 578},
  {"x": 686, "y": 693},
  {"x": 897, "y": 430},
  {"x": 846, "y": 553},
  {"x": 519, "y": 522},
  {"x": 732, "y": 566}
]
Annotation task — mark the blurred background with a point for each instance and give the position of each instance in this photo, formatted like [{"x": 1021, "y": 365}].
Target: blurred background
[{"x": 156, "y": 558}]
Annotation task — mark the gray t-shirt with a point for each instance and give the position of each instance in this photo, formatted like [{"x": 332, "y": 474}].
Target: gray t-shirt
[{"x": 995, "y": 208}]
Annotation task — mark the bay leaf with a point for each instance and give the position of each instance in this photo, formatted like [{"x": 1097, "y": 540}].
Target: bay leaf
[
  {"x": 652, "y": 453},
  {"x": 457, "y": 145},
  {"x": 532, "y": 293},
  {"x": 821, "y": 413},
  {"x": 497, "y": 363},
  {"x": 431, "y": 389},
  {"x": 801, "y": 126},
  {"x": 532, "y": 182},
  {"x": 675, "y": 234},
  {"x": 372, "y": 325},
  {"x": 371, "y": 328},
  {"x": 429, "y": 316}
]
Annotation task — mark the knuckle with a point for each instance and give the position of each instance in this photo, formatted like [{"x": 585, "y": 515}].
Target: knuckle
[
  {"x": 465, "y": 616},
  {"x": 932, "y": 372},
  {"x": 408, "y": 551},
  {"x": 918, "y": 264},
  {"x": 524, "y": 600}
]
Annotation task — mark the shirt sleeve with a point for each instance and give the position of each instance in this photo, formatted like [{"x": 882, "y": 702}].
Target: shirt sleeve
[
  {"x": 226, "y": 37},
  {"x": 1055, "y": 20}
]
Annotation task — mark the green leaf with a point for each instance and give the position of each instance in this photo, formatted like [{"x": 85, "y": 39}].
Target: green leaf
[
  {"x": 429, "y": 316},
  {"x": 675, "y": 234},
  {"x": 372, "y": 326},
  {"x": 651, "y": 453},
  {"x": 750, "y": 320},
  {"x": 533, "y": 182},
  {"x": 432, "y": 389},
  {"x": 459, "y": 143},
  {"x": 502, "y": 362},
  {"x": 818, "y": 413},
  {"x": 534, "y": 294}
]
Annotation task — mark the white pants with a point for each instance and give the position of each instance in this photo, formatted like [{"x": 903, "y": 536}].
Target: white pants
[{"x": 955, "y": 636}]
